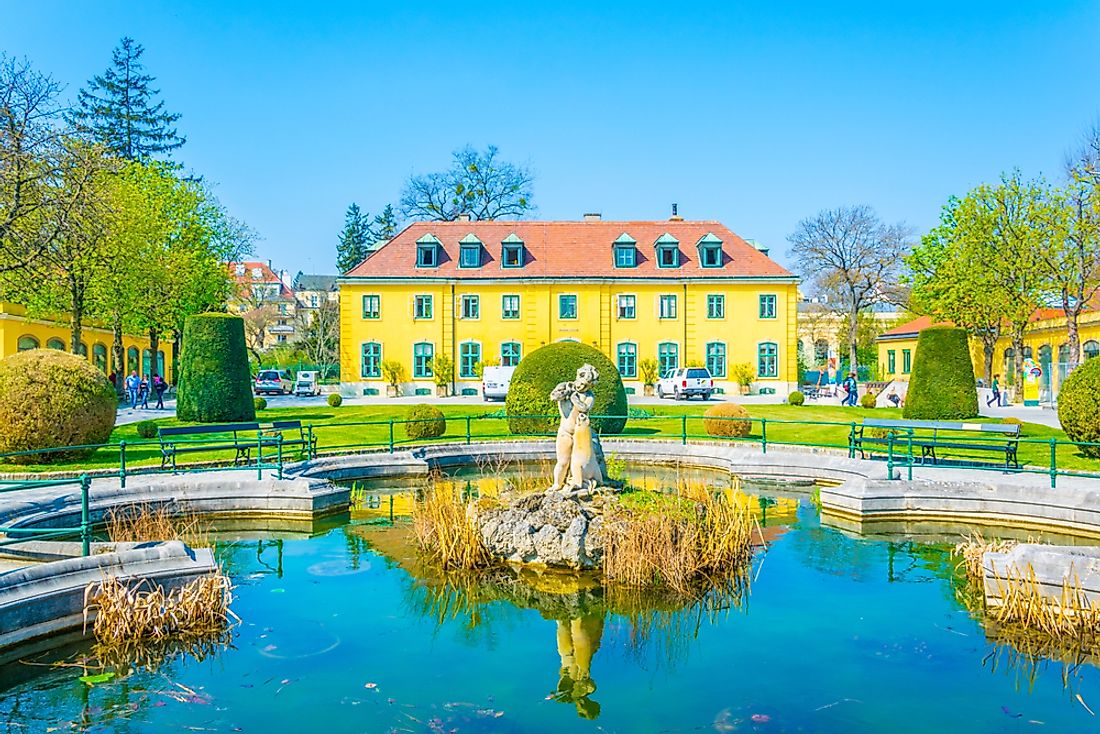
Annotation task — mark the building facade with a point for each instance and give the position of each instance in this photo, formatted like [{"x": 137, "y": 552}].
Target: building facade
[
  {"x": 679, "y": 292},
  {"x": 312, "y": 292},
  {"x": 18, "y": 333},
  {"x": 266, "y": 302}
]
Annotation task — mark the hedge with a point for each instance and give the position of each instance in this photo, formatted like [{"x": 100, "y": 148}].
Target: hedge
[
  {"x": 425, "y": 421},
  {"x": 215, "y": 384},
  {"x": 52, "y": 398},
  {"x": 335, "y": 400},
  {"x": 942, "y": 386},
  {"x": 1079, "y": 406},
  {"x": 796, "y": 398},
  {"x": 541, "y": 371},
  {"x": 717, "y": 421}
]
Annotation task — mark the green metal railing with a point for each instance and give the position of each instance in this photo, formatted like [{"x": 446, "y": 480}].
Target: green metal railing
[{"x": 11, "y": 535}]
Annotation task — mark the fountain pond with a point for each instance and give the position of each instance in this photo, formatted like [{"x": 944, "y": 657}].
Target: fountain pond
[{"x": 345, "y": 630}]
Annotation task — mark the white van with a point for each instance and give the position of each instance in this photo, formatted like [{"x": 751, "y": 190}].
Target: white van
[
  {"x": 308, "y": 383},
  {"x": 495, "y": 382}
]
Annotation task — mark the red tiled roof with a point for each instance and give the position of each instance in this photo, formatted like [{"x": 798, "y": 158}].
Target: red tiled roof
[
  {"x": 911, "y": 328},
  {"x": 267, "y": 276},
  {"x": 567, "y": 250}
]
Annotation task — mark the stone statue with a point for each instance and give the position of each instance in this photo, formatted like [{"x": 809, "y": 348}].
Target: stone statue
[{"x": 578, "y": 447}]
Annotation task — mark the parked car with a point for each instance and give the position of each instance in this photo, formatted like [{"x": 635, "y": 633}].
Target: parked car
[
  {"x": 495, "y": 382},
  {"x": 308, "y": 382},
  {"x": 276, "y": 382},
  {"x": 685, "y": 383}
]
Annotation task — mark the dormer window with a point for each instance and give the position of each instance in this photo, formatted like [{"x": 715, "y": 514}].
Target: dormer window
[
  {"x": 626, "y": 251},
  {"x": 710, "y": 251},
  {"x": 427, "y": 252},
  {"x": 469, "y": 254},
  {"x": 512, "y": 253},
  {"x": 240, "y": 270},
  {"x": 257, "y": 273},
  {"x": 668, "y": 251}
]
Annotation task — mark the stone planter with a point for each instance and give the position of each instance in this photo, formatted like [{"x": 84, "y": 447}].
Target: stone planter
[
  {"x": 443, "y": 391},
  {"x": 393, "y": 391},
  {"x": 648, "y": 391},
  {"x": 745, "y": 389}
]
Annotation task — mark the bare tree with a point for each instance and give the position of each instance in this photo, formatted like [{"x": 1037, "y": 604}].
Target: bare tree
[
  {"x": 321, "y": 333},
  {"x": 477, "y": 184},
  {"x": 42, "y": 177},
  {"x": 854, "y": 259}
]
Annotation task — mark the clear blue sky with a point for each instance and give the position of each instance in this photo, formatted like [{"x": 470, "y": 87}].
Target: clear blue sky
[{"x": 754, "y": 114}]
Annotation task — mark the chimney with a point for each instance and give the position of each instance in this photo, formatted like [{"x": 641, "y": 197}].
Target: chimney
[
  {"x": 463, "y": 217},
  {"x": 675, "y": 215},
  {"x": 592, "y": 217}
]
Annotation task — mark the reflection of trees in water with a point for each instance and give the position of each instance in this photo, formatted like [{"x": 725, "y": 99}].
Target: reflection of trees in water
[{"x": 238, "y": 558}]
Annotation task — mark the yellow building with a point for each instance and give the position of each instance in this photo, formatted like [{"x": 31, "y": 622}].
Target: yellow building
[
  {"x": 19, "y": 333},
  {"x": 680, "y": 292}
]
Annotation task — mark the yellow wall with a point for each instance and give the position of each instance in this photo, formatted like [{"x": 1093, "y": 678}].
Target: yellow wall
[
  {"x": 898, "y": 347},
  {"x": 597, "y": 322},
  {"x": 14, "y": 325}
]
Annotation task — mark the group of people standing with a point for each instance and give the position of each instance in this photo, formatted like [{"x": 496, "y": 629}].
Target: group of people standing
[{"x": 136, "y": 390}]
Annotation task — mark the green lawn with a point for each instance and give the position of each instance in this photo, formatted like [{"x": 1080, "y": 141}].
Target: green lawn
[{"x": 367, "y": 426}]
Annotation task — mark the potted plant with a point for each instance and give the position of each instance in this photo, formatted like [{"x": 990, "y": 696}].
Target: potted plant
[
  {"x": 649, "y": 369},
  {"x": 443, "y": 373},
  {"x": 394, "y": 374},
  {"x": 743, "y": 374}
]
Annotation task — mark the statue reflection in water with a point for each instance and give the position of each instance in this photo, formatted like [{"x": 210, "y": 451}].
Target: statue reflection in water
[{"x": 578, "y": 641}]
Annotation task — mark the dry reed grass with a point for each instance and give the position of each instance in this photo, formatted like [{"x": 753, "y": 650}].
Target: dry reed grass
[
  {"x": 126, "y": 614},
  {"x": 1069, "y": 616},
  {"x": 145, "y": 522},
  {"x": 696, "y": 538},
  {"x": 973, "y": 548},
  {"x": 444, "y": 530}
]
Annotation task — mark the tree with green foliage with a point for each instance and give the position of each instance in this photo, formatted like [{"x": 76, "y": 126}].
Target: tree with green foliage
[
  {"x": 120, "y": 109},
  {"x": 385, "y": 225},
  {"x": 355, "y": 240},
  {"x": 478, "y": 184},
  {"x": 215, "y": 384},
  {"x": 1079, "y": 406},
  {"x": 942, "y": 385}
]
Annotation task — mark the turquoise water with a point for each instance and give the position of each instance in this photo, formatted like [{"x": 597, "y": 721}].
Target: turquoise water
[{"x": 838, "y": 634}]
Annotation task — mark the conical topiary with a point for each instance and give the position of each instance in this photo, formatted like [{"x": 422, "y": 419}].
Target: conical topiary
[
  {"x": 215, "y": 384},
  {"x": 942, "y": 385}
]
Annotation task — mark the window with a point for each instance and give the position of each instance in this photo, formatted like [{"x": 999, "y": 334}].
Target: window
[
  {"x": 767, "y": 360},
  {"x": 567, "y": 307},
  {"x": 710, "y": 251},
  {"x": 1010, "y": 362},
  {"x": 626, "y": 306},
  {"x": 716, "y": 306},
  {"x": 281, "y": 338},
  {"x": 27, "y": 342},
  {"x": 423, "y": 352},
  {"x": 1091, "y": 349},
  {"x": 891, "y": 362},
  {"x": 469, "y": 255},
  {"x": 313, "y": 301},
  {"x": 240, "y": 268},
  {"x": 371, "y": 360},
  {"x": 716, "y": 359},
  {"x": 511, "y": 255},
  {"x": 372, "y": 307},
  {"x": 99, "y": 357},
  {"x": 767, "y": 307},
  {"x": 132, "y": 358},
  {"x": 906, "y": 361},
  {"x": 668, "y": 357},
  {"x": 427, "y": 254},
  {"x": 423, "y": 307},
  {"x": 469, "y": 358},
  {"x": 471, "y": 307},
  {"x": 509, "y": 307},
  {"x": 667, "y": 307},
  {"x": 1028, "y": 354},
  {"x": 282, "y": 308},
  {"x": 510, "y": 353},
  {"x": 628, "y": 359},
  {"x": 160, "y": 362},
  {"x": 55, "y": 343},
  {"x": 82, "y": 349},
  {"x": 626, "y": 256},
  {"x": 668, "y": 251}
]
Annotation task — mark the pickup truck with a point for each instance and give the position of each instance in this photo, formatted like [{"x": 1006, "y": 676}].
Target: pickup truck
[{"x": 686, "y": 382}]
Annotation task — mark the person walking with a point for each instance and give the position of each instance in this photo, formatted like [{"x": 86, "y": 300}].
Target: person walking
[
  {"x": 132, "y": 385},
  {"x": 852, "y": 389},
  {"x": 995, "y": 397},
  {"x": 143, "y": 393},
  {"x": 159, "y": 386}
]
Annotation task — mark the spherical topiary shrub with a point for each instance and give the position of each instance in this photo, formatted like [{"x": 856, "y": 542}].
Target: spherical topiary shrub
[
  {"x": 147, "y": 429},
  {"x": 335, "y": 400},
  {"x": 1013, "y": 421},
  {"x": 1079, "y": 406},
  {"x": 796, "y": 398},
  {"x": 259, "y": 403},
  {"x": 425, "y": 421},
  {"x": 942, "y": 384},
  {"x": 51, "y": 398},
  {"x": 541, "y": 371},
  {"x": 869, "y": 400},
  {"x": 717, "y": 421},
  {"x": 215, "y": 384}
]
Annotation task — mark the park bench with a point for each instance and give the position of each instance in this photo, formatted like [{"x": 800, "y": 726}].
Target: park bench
[
  {"x": 305, "y": 441},
  {"x": 240, "y": 437},
  {"x": 933, "y": 436}
]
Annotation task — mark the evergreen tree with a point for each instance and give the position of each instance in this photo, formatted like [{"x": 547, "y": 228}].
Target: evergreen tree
[
  {"x": 354, "y": 240},
  {"x": 120, "y": 109},
  {"x": 386, "y": 225}
]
